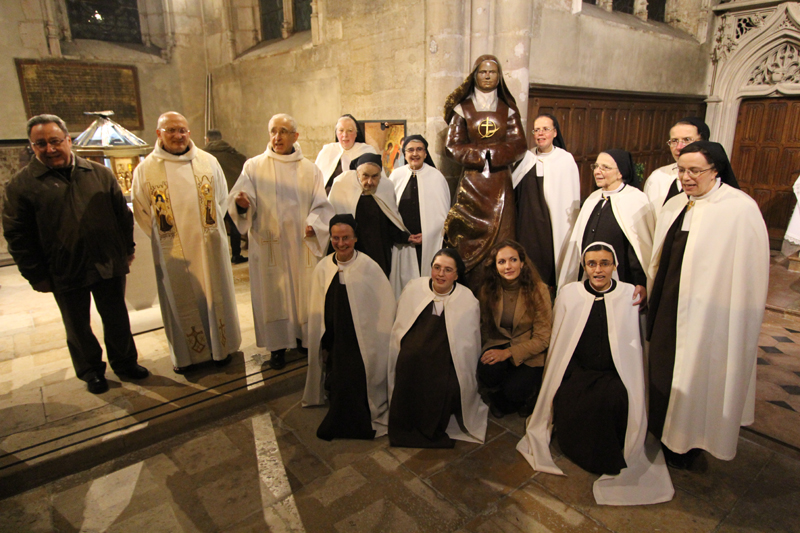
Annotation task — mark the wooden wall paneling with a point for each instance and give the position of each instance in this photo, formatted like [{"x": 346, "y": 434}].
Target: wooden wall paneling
[{"x": 772, "y": 129}]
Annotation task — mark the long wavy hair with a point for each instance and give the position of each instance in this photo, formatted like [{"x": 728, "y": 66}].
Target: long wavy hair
[
  {"x": 490, "y": 293},
  {"x": 468, "y": 86}
]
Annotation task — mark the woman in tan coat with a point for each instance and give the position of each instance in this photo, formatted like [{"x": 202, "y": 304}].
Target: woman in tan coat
[{"x": 516, "y": 318}]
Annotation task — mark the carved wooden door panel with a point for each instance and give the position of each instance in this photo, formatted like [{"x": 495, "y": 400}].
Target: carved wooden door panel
[
  {"x": 766, "y": 156},
  {"x": 592, "y": 121}
]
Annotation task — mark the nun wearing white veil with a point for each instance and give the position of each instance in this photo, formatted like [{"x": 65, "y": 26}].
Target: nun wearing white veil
[{"x": 593, "y": 390}]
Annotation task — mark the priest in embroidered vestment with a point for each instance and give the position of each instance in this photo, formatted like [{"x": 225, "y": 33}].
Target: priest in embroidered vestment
[
  {"x": 179, "y": 200},
  {"x": 280, "y": 200}
]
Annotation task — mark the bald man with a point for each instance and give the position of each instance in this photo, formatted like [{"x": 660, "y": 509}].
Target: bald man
[{"x": 180, "y": 199}]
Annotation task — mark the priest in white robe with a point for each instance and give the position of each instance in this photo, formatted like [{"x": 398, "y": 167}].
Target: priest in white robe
[
  {"x": 593, "y": 392},
  {"x": 663, "y": 182},
  {"x": 180, "y": 199},
  {"x": 548, "y": 198},
  {"x": 365, "y": 193},
  {"x": 335, "y": 158},
  {"x": 710, "y": 273},
  {"x": 280, "y": 202},
  {"x": 617, "y": 213},
  {"x": 351, "y": 312},
  {"x": 423, "y": 200}
]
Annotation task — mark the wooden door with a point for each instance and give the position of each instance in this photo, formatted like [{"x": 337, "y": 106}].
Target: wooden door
[
  {"x": 593, "y": 121},
  {"x": 766, "y": 157}
]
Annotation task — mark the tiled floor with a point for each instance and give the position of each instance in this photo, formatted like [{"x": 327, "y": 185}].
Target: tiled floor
[{"x": 233, "y": 475}]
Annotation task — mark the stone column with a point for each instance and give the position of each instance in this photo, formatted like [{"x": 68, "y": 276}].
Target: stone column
[
  {"x": 512, "y": 46},
  {"x": 447, "y": 54}
]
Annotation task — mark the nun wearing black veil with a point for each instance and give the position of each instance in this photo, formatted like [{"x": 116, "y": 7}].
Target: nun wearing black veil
[
  {"x": 335, "y": 158},
  {"x": 433, "y": 353},
  {"x": 617, "y": 213},
  {"x": 593, "y": 393},
  {"x": 710, "y": 273},
  {"x": 548, "y": 197}
]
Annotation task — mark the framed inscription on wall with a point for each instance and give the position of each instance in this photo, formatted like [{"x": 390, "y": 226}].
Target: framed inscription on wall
[{"x": 68, "y": 88}]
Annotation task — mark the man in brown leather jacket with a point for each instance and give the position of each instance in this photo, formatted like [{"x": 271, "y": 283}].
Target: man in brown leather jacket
[{"x": 70, "y": 232}]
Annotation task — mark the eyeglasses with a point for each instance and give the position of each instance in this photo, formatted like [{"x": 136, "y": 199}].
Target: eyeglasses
[
  {"x": 42, "y": 145},
  {"x": 601, "y": 264},
  {"x": 694, "y": 172},
  {"x": 684, "y": 141},
  {"x": 603, "y": 168},
  {"x": 281, "y": 132},
  {"x": 542, "y": 130},
  {"x": 418, "y": 150},
  {"x": 175, "y": 131}
]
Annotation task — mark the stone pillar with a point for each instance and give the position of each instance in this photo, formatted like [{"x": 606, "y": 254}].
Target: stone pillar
[
  {"x": 512, "y": 46},
  {"x": 445, "y": 67},
  {"x": 481, "y": 29}
]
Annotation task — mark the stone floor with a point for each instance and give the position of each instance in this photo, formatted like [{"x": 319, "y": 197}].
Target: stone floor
[{"x": 227, "y": 474}]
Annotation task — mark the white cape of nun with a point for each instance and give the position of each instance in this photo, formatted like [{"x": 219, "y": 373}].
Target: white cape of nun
[
  {"x": 346, "y": 192},
  {"x": 646, "y": 479},
  {"x": 434, "y": 204},
  {"x": 192, "y": 260},
  {"x": 657, "y": 185},
  {"x": 562, "y": 192},
  {"x": 462, "y": 319},
  {"x": 286, "y": 194},
  {"x": 793, "y": 231},
  {"x": 329, "y": 157},
  {"x": 373, "y": 306},
  {"x": 723, "y": 291},
  {"x": 634, "y": 215}
]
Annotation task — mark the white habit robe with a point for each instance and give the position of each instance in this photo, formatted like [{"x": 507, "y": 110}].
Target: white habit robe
[
  {"x": 434, "y": 204},
  {"x": 180, "y": 201},
  {"x": 657, "y": 186},
  {"x": 646, "y": 479},
  {"x": 346, "y": 192},
  {"x": 373, "y": 305},
  {"x": 462, "y": 318},
  {"x": 634, "y": 215},
  {"x": 562, "y": 192},
  {"x": 330, "y": 155},
  {"x": 723, "y": 291},
  {"x": 286, "y": 194},
  {"x": 793, "y": 229}
]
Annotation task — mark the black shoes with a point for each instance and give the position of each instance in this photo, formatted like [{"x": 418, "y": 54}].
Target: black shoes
[
  {"x": 680, "y": 461},
  {"x": 135, "y": 371},
  {"x": 97, "y": 385},
  {"x": 278, "y": 360},
  {"x": 238, "y": 259},
  {"x": 223, "y": 362}
]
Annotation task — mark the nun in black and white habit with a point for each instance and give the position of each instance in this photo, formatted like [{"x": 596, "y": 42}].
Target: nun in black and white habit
[
  {"x": 434, "y": 351},
  {"x": 334, "y": 159},
  {"x": 423, "y": 199},
  {"x": 710, "y": 274},
  {"x": 547, "y": 190},
  {"x": 593, "y": 394},
  {"x": 351, "y": 312},
  {"x": 375, "y": 210},
  {"x": 618, "y": 213}
]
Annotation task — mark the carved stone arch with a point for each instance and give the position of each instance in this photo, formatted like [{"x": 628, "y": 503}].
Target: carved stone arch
[{"x": 764, "y": 62}]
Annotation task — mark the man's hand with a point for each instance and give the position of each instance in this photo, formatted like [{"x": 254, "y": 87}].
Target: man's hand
[
  {"x": 43, "y": 286},
  {"x": 242, "y": 200},
  {"x": 415, "y": 239},
  {"x": 310, "y": 232},
  {"x": 639, "y": 295}
]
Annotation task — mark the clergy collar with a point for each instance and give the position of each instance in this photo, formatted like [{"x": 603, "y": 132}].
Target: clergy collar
[
  {"x": 599, "y": 294},
  {"x": 159, "y": 152},
  {"x": 606, "y": 194},
  {"x": 542, "y": 155},
  {"x": 485, "y": 101},
  {"x": 296, "y": 154},
  {"x": 716, "y": 186},
  {"x": 344, "y": 264}
]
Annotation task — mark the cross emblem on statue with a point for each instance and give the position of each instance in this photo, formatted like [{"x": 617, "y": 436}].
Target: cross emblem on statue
[
  {"x": 269, "y": 241},
  {"x": 487, "y": 128}
]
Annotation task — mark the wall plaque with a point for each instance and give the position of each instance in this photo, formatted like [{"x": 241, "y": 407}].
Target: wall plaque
[{"x": 68, "y": 88}]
